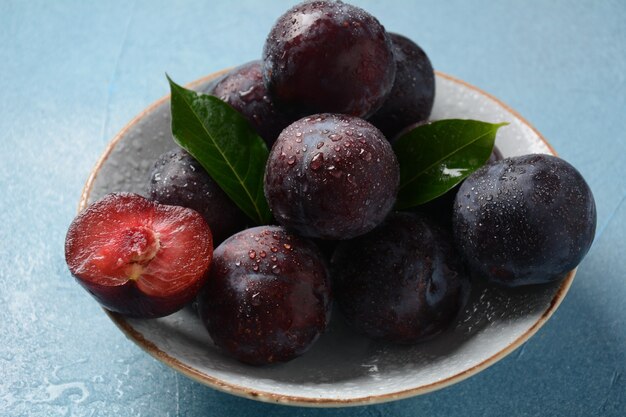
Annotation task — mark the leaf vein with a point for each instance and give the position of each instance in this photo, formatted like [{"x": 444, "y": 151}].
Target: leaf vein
[
  {"x": 420, "y": 173},
  {"x": 226, "y": 160}
]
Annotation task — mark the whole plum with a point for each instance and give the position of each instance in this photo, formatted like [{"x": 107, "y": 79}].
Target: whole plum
[
  {"x": 178, "y": 179},
  {"x": 413, "y": 94},
  {"x": 244, "y": 90},
  {"x": 401, "y": 282},
  {"x": 524, "y": 220},
  {"x": 268, "y": 295},
  {"x": 328, "y": 56},
  {"x": 331, "y": 176}
]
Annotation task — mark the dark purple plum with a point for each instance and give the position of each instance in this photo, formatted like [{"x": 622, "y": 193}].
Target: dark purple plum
[
  {"x": 331, "y": 176},
  {"x": 244, "y": 90},
  {"x": 413, "y": 94},
  {"x": 178, "y": 179},
  {"x": 327, "y": 247},
  {"x": 402, "y": 282},
  {"x": 328, "y": 56},
  {"x": 524, "y": 220},
  {"x": 268, "y": 296}
]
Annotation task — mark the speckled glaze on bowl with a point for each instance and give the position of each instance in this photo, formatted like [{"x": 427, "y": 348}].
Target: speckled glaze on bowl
[{"x": 342, "y": 368}]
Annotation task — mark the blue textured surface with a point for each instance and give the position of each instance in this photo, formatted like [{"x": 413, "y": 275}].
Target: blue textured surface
[{"x": 73, "y": 73}]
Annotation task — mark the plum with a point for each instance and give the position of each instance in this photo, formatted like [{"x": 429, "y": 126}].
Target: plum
[
  {"x": 328, "y": 56},
  {"x": 524, "y": 220},
  {"x": 178, "y": 179},
  {"x": 137, "y": 257},
  {"x": 268, "y": 297},
  {"x": 413, "y": 94},
  {"x": 244, "y": 90},
  {"x": 331, "y": 176},
  {"x": 402, "y": 282}
]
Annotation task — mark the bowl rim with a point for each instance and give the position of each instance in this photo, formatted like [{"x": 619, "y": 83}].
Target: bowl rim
[{"x": 264, "y": 396}]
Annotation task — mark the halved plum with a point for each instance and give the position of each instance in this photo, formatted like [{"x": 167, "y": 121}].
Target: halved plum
[{"x": 137, "y": 257}]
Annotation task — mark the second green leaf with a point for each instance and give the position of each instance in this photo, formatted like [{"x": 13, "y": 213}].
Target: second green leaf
[{"x": 437, "y": 156}]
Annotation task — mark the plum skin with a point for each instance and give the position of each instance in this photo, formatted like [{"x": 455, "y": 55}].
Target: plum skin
[
  {"x": 328, "y": 56},
  {"x": 268, "y": 296},
  {"x": 402, "y": 282},
  {"x": 524, "y": 220},
  {"x": 331, "y": 176},
  {"x": 178, "y": 179},
  {"x": 244, "y": 90},
  {"x": 413, "y": 93}
]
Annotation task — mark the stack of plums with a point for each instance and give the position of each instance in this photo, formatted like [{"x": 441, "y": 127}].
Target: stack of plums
[{"x": 331, "y": 93}]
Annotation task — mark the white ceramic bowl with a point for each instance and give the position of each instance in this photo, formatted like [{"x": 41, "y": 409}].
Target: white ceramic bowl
[{"x": 342, "y": 368}]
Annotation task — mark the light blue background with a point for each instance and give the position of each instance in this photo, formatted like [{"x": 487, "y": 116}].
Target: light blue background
[{"x": 73, "y": 73}]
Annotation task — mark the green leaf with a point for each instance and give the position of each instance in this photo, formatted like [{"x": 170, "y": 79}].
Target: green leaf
[
  {"x": 226, "y": 146},
  {"x": 437, "y": 156}
]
